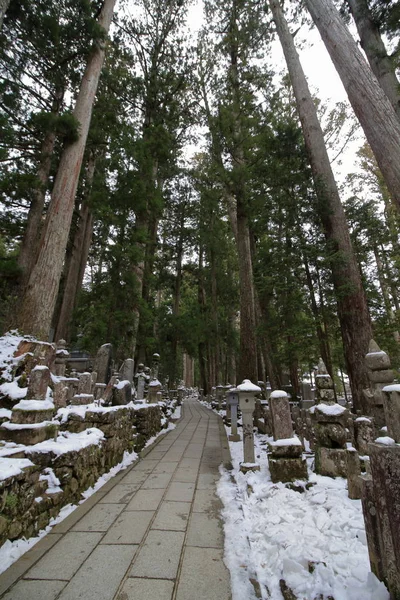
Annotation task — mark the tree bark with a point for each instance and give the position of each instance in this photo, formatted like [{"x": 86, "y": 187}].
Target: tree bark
[
  {"x": 30, "y": 242},
  {"x": 370, "y": 103},
  {"x": 321, "y": 334},
  {"x": 75, "y": 266},
  {"x": 351, "y": 302},
  {"x": 248, "y": 340},
  {"x": 385, "y": 293},
  {"x": 177, "y": 299},
  {"x": 40, "y": 298},
  {"x": 375, "y": 50}
]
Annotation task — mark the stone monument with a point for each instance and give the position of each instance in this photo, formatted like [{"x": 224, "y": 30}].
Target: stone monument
[{"x": 286, "y": 461}]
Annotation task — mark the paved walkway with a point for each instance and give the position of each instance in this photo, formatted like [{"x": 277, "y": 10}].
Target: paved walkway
[{"x": 151, "y": 533}]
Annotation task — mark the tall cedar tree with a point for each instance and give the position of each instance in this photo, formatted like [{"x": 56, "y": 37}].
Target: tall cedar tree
[
  {"x": 352, "y": 306},
  {"x": 370, "y": 103},
  {"x": 382, "y": 65},
  {"x": 40, "y": 297}
]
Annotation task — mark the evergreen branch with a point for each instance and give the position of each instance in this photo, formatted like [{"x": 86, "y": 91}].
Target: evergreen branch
[{"x": 16, "y": 120}]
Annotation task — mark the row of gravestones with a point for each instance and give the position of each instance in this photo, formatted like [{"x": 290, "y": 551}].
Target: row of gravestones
[
  {"x": 31, "y": 419},
  {"x": 363, "y": 448}
]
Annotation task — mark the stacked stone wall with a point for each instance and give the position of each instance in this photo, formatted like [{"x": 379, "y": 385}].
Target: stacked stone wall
[{"x": 26, "y": 508}]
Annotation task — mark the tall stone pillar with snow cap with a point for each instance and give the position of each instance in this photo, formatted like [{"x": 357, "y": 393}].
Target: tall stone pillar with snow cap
[
  {"x": 285, "y": 459},
  {"x": 330, "y": 428},
  {"x": 380, "y": 375},
  {"x": 247, "y": 402}
]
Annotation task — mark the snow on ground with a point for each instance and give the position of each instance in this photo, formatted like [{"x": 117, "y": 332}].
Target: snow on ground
[{"x": 314, "y": 540}]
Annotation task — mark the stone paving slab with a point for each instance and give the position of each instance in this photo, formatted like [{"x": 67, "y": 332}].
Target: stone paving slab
[
  {"x": 66, "y": 558},
  {"x": 146, "y": 589},
  {"x": 120, "y": 494},
  {"x": 152, "y": 531},
  {"x": 100, "y": 518},
  {"x": 101, "y": 574},
  {"x": 172, "y": 516},
  {"x": 165, "y": 467},
  {"x": 160, "y": 555},
  {"x": 28, "y": 560},
  {"x": 157, "y": 481},
  {"x": 143, "y": 500},
  {"x": 203, "y": 575},
  {"x": 205, "y": 500},
  {"x": 205, "y": 531},
  {"x": 180, "y": 492},
  {"x": 129, "y": 528},
  {"x": 35, "y": 590}
]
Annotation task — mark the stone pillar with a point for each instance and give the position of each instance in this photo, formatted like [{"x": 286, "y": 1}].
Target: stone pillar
[
  {"x": 280, "y": 415},
  {"x": 155, "y": 365},
  {"x": 285, "y": 459},
  {"x": 391, "y": 405},
  {"x": 85, "y": 383},
  {"x": 122, "y": 393},
  {"x": 180, "y": 392},
  {"x": 331, "y": 420},
  {"x": 140, "y": 386},
  {"x": 380, "y": 375},
  {"x": 102, "y": 363},
  {"x": 154, "y": 388},
  {"x": 363, "y": 434},
  {"x": 34, "y": 413},
  {"x": 233, "y": 402},
  {"x": 353, "y": 467},
  {"x": 126, "y": 372},
  {"x": 385, "y": 469},
  {"x": 247, "y": 392},
  {"x": 99, "y": 390},
  {"x": 268, "y": 389},
  {"x": 62, "y": 356},
  {"x": 307, "y": 399},
  {"x": 60, "y": 394}
]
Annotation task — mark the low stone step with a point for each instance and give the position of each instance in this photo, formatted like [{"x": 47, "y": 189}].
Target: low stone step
[{"x": 28, "y": 434}]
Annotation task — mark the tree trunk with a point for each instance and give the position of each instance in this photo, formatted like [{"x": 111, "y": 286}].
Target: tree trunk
[
  {"x": 352, "y": 307},
  {"x": 385, "y": 293},
  {"x": 370, "y": 103},
  {"x": 201, "y": 295},
  {"x": 177, "y": 299},
  {"x": 41, "y": 294},
  {"x": 321, "y": 334},
  {"x": 75, "y": 266},
  {"x": 375, "y": 50},
  {"x": 30, "y": 242},
  {"x": 4, "y": 4},
  {"x": 248, "y": 340}
]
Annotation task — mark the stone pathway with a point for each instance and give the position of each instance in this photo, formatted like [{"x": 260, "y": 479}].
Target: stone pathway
[{"x": 151, "y": 533}]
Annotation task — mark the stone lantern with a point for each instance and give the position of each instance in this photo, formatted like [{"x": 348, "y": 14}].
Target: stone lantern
[
  {"x": 247, "y": 403},
  {"x": 233, "y": 402}
]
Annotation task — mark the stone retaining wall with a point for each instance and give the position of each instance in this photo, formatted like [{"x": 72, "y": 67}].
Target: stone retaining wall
[{"x": 26, "y": 508}]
